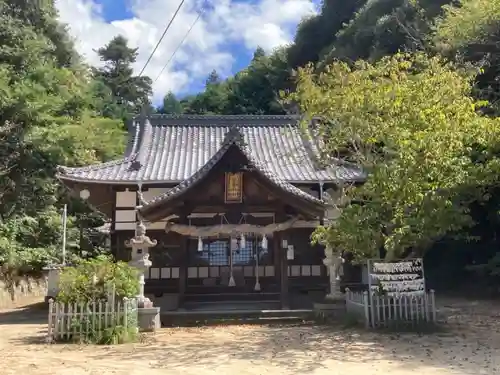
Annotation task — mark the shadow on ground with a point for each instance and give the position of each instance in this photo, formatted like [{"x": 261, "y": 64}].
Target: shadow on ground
[
  {"x": 31, "y": 314},
  {"x": 466, "y": 347}
]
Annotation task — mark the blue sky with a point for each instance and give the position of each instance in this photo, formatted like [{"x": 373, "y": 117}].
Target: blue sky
[
  {"x": 224, "y": 39},
  {"x": 115, "y": 10}
]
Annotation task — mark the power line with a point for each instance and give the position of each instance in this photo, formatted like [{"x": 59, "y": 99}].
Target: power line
[
  {"x": 179, "y": 46},
  {"x": 162, "y": 36}
]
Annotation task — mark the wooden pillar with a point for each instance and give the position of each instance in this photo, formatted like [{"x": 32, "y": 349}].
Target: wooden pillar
[
  {"x": 283, "y": 262},
  {"x": 183, "y": 268}
]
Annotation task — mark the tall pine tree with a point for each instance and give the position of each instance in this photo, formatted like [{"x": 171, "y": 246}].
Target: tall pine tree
[{"x": 126, "y": 93}]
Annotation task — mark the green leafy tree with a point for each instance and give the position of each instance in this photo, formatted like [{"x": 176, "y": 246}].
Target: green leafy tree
[
  {"x": 317, "y": 33},
  {"x": 384, "y": 27},
  {"x": 129, "y": 92},
  {"x": 255, "y": 90},
  {"x": 171, "y": 105},
  {"x": 469, "y": 32},
  {"x": 411, "y": 122},
  {"x": 259, "y": 53},
  {"x": 46, "y": 118}
]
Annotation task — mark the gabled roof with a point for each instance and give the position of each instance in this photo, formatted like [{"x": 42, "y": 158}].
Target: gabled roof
[
  {"x": 232, "y": 138},
  {"x": 171, "y": 149}
]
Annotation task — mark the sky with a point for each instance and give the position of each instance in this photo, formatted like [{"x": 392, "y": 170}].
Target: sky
[{"x": 224, "y": 38}]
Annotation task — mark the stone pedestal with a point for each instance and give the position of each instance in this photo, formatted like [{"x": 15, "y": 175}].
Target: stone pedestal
[
  {"x": 149, "y": 319},
  {"x": 167, "y": 302}
]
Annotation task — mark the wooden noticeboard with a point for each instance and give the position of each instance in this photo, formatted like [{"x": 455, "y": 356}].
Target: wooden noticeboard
[{"x": 398, "y": 278}]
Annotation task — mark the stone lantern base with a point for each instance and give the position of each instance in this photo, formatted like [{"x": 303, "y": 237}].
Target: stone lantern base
[{"x": 149, "y": 319}]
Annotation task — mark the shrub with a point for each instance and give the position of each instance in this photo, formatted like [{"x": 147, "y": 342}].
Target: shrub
[
  {"x": 94, "y": 279},
  {"x": 98, "y": 328}
]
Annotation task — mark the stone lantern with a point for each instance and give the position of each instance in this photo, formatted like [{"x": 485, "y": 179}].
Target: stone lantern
[
  {"x": 140, "y": 244},
  {"x": 334, "y": 303},
  {"x": 333, "y": 261}
]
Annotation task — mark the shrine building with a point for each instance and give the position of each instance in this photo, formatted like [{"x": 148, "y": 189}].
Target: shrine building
[{"x": 231, "y": 201}]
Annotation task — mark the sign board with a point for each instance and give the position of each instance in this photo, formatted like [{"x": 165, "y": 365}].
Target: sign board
[
  {"x": 397, "y": 278},
  {"x": 234, "y": 187}
]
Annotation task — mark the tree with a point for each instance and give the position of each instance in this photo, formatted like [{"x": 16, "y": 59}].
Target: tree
[
  {"x": 128, "y": 91},
  {"x": 259, "y": 53},
  {"x": 411, "y": 122},
  {"x": 255, "y": 90},
  {"x": 469, "y": 32},
  {"x": 318, "y": 32},
  {"x": 213, "y": 79},
  {"x": 211, "y": 101},
  {"x": 171, "y": 105},
  {"x": 46, "y": 119},
  {"x": 384, "y": 27}
]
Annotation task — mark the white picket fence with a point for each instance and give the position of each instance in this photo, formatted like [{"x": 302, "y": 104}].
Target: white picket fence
[
  {"x": 71, "y": 321},
  {"x": 385, "y": 311}
]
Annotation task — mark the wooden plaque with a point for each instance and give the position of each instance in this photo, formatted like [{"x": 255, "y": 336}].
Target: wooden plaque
[{"x": 234, "y": 187}]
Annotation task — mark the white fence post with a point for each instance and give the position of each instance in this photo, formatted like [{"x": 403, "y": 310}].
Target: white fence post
[
  {"x": 366, "y": 305},
  {"x": 125, "y": 312},
  {"x": 50, "y": 328},
  {"x": 433, "y": 306},
  {"x": 348, "y": 300}
]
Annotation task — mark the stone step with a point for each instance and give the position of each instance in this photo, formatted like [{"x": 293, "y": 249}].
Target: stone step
[{"x": 234, "y": 316}]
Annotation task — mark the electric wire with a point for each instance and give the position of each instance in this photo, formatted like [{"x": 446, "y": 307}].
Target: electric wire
[
  {"x": 162, "y": 36},
  {"x": 178, "y": 46}
]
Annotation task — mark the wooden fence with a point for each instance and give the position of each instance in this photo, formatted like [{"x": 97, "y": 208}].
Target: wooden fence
[
  {"x": 73, "y": 321},
  {"x": 385, "y": 311}
]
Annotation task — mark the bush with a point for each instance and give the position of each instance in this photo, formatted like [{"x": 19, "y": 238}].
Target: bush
[{"x": 94, "y": 279}]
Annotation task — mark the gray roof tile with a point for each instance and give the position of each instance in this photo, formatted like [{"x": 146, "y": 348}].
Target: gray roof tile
[
  {"x": 233, "y": 137},
  {"x": 170, "y": 149}
]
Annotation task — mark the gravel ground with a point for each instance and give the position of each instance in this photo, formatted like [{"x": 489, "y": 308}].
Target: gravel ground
[{"x": 468, "y": 345}]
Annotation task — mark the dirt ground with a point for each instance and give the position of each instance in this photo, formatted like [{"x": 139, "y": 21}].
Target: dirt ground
[{"x": 470, "y": 344}]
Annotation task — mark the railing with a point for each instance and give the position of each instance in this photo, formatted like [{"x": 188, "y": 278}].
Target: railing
[
  {"x": 385, "y": 311},
  {"x": 75, "y": 322}
]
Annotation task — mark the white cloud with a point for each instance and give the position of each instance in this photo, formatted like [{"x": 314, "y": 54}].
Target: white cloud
[{"x": 265, "y": 23}]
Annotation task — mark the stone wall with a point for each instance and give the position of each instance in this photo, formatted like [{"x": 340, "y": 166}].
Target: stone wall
[{"x": 26, "y": 291}]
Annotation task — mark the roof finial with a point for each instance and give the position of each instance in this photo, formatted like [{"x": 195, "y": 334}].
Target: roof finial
[
  {"x": 234, "y": 135},
  {"x": 145, "y": 110}
]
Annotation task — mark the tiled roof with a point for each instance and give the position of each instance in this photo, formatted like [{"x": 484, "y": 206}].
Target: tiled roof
[
  {"x": 171, "y": 149},
  {"x": 233, "y": 137}
]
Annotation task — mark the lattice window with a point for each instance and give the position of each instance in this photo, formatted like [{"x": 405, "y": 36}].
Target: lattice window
[
  {"x": 215, "y": 253},
  {"x": 244, "y": 255}
]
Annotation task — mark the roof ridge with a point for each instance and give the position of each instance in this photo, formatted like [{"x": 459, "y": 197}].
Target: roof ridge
[
  {"x": 133, "y": 141},
  {"x": 223, "y": 117},
  {"x": 94, "y": 167}
]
